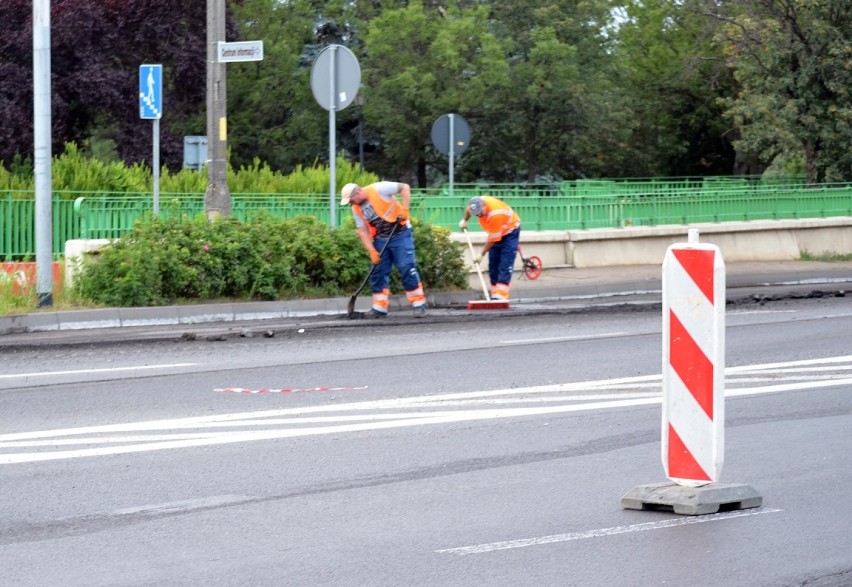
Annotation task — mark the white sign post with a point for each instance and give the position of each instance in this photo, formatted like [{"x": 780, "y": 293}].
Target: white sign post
[
  {"x": 151, "y": 107},
  {"x": 335, "y": 79}
]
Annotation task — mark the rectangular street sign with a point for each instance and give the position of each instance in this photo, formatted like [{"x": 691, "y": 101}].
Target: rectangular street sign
[
  {"x": 241, "y": 51},
  {"x": 151, "y": 91}
]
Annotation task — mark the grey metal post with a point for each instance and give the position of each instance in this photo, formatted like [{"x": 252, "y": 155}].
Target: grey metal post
[
  {"x": 217, "y": 199},
  {"x": 156, "y": 165},
  {"x": 332, "y": 124},
  {"x": 452, "y": 150},
  {"x": 42, "y": 155}
]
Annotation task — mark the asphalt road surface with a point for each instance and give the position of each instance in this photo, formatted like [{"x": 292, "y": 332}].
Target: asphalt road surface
[{"x": 489, "y": 452}]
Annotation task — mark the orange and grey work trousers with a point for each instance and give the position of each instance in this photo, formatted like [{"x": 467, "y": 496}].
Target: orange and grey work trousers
[{"x": 400, "y": 253}]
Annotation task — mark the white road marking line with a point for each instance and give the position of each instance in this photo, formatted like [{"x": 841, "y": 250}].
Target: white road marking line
[
  {"x": 747, "y": 312},
  {"x": 389, "y": 420},
  {"x": 564, "y": 338},
  {"x": 255, "y": 435},
  {"x": 805, "y": 385},
  {"x": 183, "y": 505},
  {"x": 105, "y": 370},
  {"x": 831, "y": 368},
  {"x": 554, "y": 538},
  {"x": 823, "y": 361}
]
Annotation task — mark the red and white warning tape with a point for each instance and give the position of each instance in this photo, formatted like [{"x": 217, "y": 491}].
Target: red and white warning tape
[{"x": 286, "y": 389}]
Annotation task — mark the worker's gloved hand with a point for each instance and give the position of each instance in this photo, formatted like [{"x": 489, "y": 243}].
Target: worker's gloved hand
[
  {"x": 375, "y": 257},
  {"x": 477, "y": 259},
  {"x": 404, "y": 215},
  {"x": 462, "y": 223}
]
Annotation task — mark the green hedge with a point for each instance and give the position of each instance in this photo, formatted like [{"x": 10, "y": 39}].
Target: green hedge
[
  {"x": 72, "y": 172},
  {"x": 164, "y": 261}
]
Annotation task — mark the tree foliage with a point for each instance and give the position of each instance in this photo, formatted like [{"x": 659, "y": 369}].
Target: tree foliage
[
  {"x": 552, "y": 90},
  {"x": 792, "y": 59},
  {"x": 673, "y": 74}
]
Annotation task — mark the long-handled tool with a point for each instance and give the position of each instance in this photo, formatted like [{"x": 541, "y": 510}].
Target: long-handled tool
[
  {"x": 487, "y": 303},
  {"x": 350, "y": 308}
]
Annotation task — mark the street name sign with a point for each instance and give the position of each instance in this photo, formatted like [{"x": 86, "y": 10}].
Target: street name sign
[{"x": 240, "y": 51}]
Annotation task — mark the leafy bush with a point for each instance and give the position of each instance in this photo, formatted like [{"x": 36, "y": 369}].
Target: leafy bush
[
  {"x": 73, "y": 171},
  {"x": 162, "y": 261}
]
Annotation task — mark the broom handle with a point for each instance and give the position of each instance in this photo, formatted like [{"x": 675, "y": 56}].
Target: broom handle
[{"x": 478, "y": 270}]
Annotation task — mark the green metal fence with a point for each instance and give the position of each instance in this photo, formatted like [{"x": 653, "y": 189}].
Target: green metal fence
[
  {"x": 17, "y": 225},
  {"x": 579, "y": 204}
]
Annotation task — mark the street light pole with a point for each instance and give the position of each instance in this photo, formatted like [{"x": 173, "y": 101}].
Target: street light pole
[
  {"x": 42, "y": 152},
  {"x": 217, "y": 199}
]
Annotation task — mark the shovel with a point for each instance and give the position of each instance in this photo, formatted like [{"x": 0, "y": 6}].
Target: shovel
[{"x": 350, "y": 308}]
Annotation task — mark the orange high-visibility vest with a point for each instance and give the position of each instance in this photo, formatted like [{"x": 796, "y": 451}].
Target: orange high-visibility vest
[
  {"x": 382, "y": 210},
  {"x": 499, "y": 219}
]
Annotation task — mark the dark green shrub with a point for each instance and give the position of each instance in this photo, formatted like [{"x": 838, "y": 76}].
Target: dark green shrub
[
  {"x": 162, "y": 261},
  {"x": 439, "y": 260}
]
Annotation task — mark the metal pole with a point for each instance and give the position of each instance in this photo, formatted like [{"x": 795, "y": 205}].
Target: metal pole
[
  {"x": 452, "y": 150},
  {"x": 361, "y": 139},
  {"x": 42, "y": 148},
  {"x": 156, "y": 170},
  {"x": 331, "y": 140},
  {"x": 217, "y": 199}
]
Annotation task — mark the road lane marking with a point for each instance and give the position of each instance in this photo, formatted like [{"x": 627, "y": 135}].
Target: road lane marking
[
  {"x": 564, "y": 338},
  {"x": 182, "y": 506},
  {"x": 91, "y": 371},
  {"x": 448, "y": 408},
  {"x": 555, "y": 538},
  {"x": 803, "y": 362},
  {"x": 747, "y": 312}
]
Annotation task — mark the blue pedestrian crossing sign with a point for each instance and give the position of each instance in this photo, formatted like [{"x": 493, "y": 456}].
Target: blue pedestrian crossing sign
[{"x": 151, "y": 91}]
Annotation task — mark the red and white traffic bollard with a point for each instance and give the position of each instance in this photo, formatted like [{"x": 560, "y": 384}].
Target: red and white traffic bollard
[
  {"x": 693, "y": 428},
  {"x": 693, "y": 363}
]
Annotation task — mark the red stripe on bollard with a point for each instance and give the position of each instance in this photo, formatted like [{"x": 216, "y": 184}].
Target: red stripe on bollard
[
  {"x": 691, "y": 364},
  {"x": 681, "y": 462},
  {"x": 699, "y": 266}
]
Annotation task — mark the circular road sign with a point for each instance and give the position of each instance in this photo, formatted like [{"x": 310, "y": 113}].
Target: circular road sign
[
  {"x": 340, "y": 91},
  {"x": 441, "y": 134}
]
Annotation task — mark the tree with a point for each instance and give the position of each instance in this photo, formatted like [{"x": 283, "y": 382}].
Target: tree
[
  {"x": 420, "y": 64},
  {"x": 97, "y": 47},
  {"x": 792, "y": 59},
  {"x": 673, "y": 74},
  {"x": 272, "y": 112},
  {"x": 559, "y": 114}
]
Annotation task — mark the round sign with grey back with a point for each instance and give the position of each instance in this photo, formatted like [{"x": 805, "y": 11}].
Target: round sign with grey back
[
  {"x": 444, "y": 126},
  {"x": 335, "y": 77}
]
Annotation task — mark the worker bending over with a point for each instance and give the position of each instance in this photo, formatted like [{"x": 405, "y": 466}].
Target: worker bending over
[
  {"x": 381, "y": 219},
  {"x": 502, "y": 226}
]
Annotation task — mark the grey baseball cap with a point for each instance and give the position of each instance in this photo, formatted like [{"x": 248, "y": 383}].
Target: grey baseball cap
[{"x": 477, "y": 206}]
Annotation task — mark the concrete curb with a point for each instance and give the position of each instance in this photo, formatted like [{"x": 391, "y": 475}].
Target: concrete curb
[{"x": 559, "y": 290}]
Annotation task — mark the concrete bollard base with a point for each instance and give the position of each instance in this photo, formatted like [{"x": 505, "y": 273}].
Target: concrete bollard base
[{"x": 691, "y": 501}]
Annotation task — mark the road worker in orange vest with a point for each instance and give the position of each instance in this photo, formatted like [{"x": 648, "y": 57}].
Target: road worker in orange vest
[
  {"x": 381, "y": 219},
  {"x": 502, "y": 226}
]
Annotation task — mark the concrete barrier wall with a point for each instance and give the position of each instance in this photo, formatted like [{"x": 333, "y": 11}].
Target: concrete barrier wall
[{"x": 757, "y": 240}]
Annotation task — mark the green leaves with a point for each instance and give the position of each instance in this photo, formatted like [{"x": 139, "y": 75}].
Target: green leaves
[
  {"x": 792, "y": 61},
  {"x": 163, "y": 261}
]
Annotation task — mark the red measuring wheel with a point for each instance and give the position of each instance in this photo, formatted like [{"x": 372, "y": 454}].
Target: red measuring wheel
[{"x": 532, "y": 267}]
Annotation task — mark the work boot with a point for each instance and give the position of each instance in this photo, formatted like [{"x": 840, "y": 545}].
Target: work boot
[
  {"x": 372, "y": 315},
  {"x": 420, "y": 311}
]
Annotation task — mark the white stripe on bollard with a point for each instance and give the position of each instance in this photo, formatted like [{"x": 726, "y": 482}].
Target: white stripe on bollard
[{"x": 693, "y": 363}]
